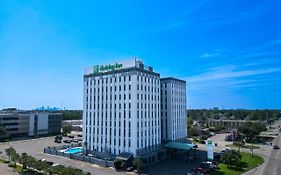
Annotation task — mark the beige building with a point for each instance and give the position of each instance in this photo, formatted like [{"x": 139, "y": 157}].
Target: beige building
[{"x": 228, "y": 124}]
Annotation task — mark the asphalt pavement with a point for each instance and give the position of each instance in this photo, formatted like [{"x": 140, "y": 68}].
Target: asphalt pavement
[
  {"x": 34, "y": 147},
  {"x": 272, "y": 164}
]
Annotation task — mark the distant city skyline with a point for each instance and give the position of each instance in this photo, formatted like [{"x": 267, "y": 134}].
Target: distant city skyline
[{"x": 229, "y": 52}]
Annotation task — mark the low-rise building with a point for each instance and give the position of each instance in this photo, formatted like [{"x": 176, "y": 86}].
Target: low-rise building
[
  {"x": 77, "y": 125},
  {"x": 30, "y": 123},
  {"x": 227, "y": 124}
]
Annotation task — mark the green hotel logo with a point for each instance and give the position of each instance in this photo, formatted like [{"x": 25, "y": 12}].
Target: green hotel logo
[
  {"x": 109, "y": 67},
  {"x": 96, "y": 69}
]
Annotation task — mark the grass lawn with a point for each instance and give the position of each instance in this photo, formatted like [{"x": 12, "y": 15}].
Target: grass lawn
[
  {"x": 248, "y": 162},
  {"x": 245, "y": 146},
  {"x": 18, "y": 167},
  {"x": 2, "y": 161}
]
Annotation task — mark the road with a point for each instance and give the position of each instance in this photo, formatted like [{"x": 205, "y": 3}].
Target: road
[
  {"x": 272, "y": 164},
  {"x": 272, "y": 157}
]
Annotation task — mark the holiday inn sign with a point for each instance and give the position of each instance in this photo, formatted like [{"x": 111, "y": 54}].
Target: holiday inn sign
[{"x": 105, "y": 68}]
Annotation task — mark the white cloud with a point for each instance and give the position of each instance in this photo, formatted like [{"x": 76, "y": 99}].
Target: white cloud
[
  {"x": 210, "y": 55},
  {"x": 220, "y": 74}
]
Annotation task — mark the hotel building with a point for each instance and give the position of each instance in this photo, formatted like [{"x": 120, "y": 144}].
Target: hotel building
[
  {"x": 173, "y": 109},
  {"x": 122, "y": 108}
]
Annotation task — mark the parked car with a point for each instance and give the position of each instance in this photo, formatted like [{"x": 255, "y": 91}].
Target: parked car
[
  {"x": 225, "y": 150},
  {"x": 56, "y": 164},
  {"x": 79, "y": 135},
  {"x": 58, "y": 137},
  {"x": 71, "y": 136},
  {"x": 67, "y": 141},
  {"x": 276, "y": 147},
  {"x": 75, "y": 140},
  {"x": 199, "y": 170},
  {"x": 209, "y": 166},
  {"x": 57, "y": 141},
  {"x": 130, "y": 169},
  {"x": 80, "y": 139}
]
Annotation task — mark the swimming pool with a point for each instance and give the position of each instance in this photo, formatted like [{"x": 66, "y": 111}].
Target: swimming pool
[{"x": 73, "y": 150}]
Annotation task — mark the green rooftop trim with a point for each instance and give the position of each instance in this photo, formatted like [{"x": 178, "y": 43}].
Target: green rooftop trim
[{"x": 179, "y": 145}]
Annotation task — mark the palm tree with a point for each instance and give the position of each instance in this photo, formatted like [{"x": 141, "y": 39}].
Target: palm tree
[{"x": 23, "y": 160}]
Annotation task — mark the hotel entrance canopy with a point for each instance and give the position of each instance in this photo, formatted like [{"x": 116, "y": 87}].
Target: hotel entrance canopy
[{"x": 179, "y": 145}]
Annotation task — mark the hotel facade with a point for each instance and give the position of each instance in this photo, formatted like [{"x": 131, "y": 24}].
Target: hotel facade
[
  {"x": 122, "y": 109},
  {"x": 173, "y": 109}
]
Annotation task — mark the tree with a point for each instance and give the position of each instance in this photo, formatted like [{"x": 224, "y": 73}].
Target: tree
[
  {"x": 138, "y": 164},
  {"x": 15, "y": 158},
  {"x": 189, "y": 122},
  {"x": 251, "y": 130},
  {"x": 10, "y": 151},
  {"x": 66, "y": 130},
  {"x": 72, "y": 115},
  {"x": 231, "y": 158},
  {"x": 192, "y": 132},
  {"x": 12, "y": 154},
  {"x": 23, "y": 160}
]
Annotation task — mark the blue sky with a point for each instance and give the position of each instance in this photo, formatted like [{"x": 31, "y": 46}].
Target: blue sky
[{"x": 229, "y": 52}]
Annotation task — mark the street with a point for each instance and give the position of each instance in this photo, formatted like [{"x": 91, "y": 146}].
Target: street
[{"x": 272, "y": 164}]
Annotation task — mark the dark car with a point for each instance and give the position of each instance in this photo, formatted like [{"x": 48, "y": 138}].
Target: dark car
[
  {"x": 79, "y": 135},
  {"x": 67, "y": 141},
  {"x": 276, "y": 147},
  {"x": 195, "y": 146},
  {"x": 71, "y": 136},
  {"x": 57, "y": 141},
  {"x": 58, "y": 137},
  {"x": 209, "y": 166},
  {"x": 199, "y": 170}
]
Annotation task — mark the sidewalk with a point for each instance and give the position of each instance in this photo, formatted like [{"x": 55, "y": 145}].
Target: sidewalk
[{"x": 4, "y": 169}]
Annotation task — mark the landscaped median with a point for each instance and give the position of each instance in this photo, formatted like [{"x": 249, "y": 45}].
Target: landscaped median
[
  {"x": 17, "y": 167},
  {"x": 242, "y": 146},
  {"x": 247, "y": 163},
  {"x": 26, "y": 164}
]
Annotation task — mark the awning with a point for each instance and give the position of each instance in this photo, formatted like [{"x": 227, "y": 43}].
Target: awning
[
  {"x": 124, "y": 156},
  {"x": 179, "y": 145}
]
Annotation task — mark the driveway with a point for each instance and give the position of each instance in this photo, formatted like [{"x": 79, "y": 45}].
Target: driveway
[{"x": 34, "y": 147}]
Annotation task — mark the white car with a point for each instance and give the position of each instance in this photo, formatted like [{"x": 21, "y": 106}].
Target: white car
[
  {"x": 225, "y": 150},
  {"x": 56, "y": 164}
]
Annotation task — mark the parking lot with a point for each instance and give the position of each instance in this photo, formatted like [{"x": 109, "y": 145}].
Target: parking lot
[
  {"x": 34, "y": 147},
  {"x": 177, "y": 165}
]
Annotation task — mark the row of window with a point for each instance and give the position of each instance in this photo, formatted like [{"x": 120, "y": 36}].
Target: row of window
[
  {"x": 114, "y": 78},
  {"x": 174, "y": 85}
]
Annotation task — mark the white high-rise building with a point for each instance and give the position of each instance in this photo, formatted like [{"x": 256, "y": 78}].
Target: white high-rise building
[
  {"x": 173, "y": 109},
  {"x": 121, "y": 107}
]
